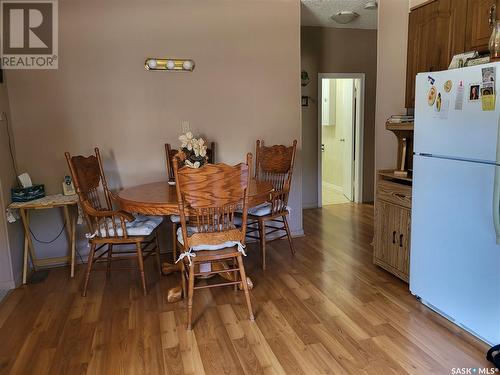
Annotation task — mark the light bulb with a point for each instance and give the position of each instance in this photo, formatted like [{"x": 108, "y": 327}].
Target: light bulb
[
  {"x": 187, "y": 65},
  {"x": 170, "y": 64},
  {"x": 152, "y": 63}
]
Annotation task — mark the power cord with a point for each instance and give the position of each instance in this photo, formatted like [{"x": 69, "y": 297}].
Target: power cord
[
  {"x": 51, "y": 241},
  {"x": 55, "y": 238},
  {"x": 3, "y": 115}
]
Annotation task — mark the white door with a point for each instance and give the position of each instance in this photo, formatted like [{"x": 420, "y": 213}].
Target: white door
[
  {"x": 347, "y": 140},
  {"x": 455, "y": 258}
]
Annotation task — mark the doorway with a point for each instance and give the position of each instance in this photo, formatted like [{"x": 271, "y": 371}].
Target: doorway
[{"x": 340, "y": 138}]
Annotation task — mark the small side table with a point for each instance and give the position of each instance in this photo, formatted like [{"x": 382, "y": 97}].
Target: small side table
[{"x": 50, "y": 201}]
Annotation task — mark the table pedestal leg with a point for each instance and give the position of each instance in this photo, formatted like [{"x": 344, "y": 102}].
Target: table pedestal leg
[{"x": 175, "y": 294}]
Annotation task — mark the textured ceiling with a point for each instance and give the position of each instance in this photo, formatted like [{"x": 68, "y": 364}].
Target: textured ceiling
[{"x": 318, "y": 13}]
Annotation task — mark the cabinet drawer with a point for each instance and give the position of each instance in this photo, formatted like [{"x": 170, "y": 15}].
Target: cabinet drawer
[{"x": 394, "y": 193}]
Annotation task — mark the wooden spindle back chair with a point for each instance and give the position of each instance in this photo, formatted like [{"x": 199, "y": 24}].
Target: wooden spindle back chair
[
  {"x": 107, "y": 226},
  {"x": 273, "y": 164},
  {"x": 91, "y": 186},
  {"x": 170, "y": 154},
  {"x": 210, "y": 196}
]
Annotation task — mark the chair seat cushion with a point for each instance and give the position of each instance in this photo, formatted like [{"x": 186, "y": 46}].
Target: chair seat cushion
[
  {"x": 141, "y": 226},
  {"x": 262, "y": 209},
  {"x": 192, "y": 230},
  {"x": 176, "y": 219}
]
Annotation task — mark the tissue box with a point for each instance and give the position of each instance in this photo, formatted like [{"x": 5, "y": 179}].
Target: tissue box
[{"x": 27, "y": 194}]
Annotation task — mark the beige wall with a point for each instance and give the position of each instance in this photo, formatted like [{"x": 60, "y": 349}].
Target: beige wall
[
  {"x": 246, "y": 85},
  {"x": 11, "y": 235},
  {"x": 391, "y": 76},
  {"x": 330, "y": 50}
]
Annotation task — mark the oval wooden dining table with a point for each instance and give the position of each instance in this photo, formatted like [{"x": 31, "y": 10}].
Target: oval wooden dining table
[{"x": 160, "y": 199}]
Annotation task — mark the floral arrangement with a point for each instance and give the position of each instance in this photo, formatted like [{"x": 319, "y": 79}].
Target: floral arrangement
[{"x": 193, "y": 150}]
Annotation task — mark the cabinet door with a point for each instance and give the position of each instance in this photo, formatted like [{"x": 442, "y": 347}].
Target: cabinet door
[
  {"x": 403, "y": 243},
  {"x": 386, "y": 232},
  {"x": 392, "y": 242},
  {"x": 480, "y": 15},
  {"x": 451, "y": 30},
  {"x": 436, "y": 32}
]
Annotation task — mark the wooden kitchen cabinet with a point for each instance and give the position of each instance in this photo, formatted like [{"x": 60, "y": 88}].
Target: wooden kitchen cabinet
[
  {"x": 481, "y": 15},
  {"x": 392, "y": 224},
  {"x": 436, "y": 32}
]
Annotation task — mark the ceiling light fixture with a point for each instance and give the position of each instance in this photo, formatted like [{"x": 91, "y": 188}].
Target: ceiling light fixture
[
  {"x": 344, "y": 16},
  {"x": 371, "y": 5}
]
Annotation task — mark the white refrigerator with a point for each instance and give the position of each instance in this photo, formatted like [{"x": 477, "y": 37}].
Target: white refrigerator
[{"x": 455, "y": 231}]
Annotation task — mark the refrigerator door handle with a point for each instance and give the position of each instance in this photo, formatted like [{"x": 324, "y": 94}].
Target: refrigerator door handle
[
  {"x": 496, "y": 190},
  {"x": 496, "y": 203}
]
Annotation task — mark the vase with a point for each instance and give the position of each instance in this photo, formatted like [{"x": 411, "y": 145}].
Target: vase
[{"x": 494, "y": 44}]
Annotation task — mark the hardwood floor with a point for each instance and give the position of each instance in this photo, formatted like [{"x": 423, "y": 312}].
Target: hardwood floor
[{"x": 329, "y": 310}]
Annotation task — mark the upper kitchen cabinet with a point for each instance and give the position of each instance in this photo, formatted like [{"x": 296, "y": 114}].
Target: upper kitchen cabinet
[
  {"x": 481, "y": 16},
  {"x": 436, "y": 32}
]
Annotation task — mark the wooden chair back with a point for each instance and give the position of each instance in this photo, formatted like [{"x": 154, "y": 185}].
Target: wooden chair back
[
  {"x": 91, "y": 185},
  {"x": 210, "y": 195},
  {"x": 274, "y": 164},
  {"x": 170, "y": 154}
]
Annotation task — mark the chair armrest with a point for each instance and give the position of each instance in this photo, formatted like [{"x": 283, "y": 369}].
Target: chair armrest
[
  {"x": 106, "y": 213},
  {"x": 279, "y": 200}
]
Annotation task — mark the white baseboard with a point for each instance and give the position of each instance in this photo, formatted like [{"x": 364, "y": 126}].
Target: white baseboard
[{"x": 298, "y": 233}]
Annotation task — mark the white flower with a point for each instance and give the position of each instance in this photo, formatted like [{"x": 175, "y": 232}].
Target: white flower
[
  {"x": 190, "y": 164},
  {"x": 196, "y": 147},
  {"x": 199, "y": 148},
  {"x": 187, "y": 140},
  {"x": 203, "y": 151},
  {"x": 203, "y": 148}
]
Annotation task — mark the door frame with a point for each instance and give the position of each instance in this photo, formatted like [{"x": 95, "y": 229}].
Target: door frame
[{"x": 358, "y": 130}]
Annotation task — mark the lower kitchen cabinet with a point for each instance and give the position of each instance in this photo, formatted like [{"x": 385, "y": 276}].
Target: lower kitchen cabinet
[{"x": 392, "y": 224}]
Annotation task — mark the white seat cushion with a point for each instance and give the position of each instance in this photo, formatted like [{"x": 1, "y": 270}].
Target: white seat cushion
[
  {"x": 141, "y": 226},
  {"x": 262, "y": 209},
  {"x": 192, "y": 230},
  {"x": 175, "y": 219}
]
